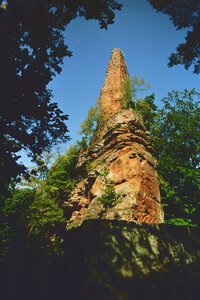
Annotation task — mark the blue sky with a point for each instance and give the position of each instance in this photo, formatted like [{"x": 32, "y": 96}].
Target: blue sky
[{"x": 146, "y": 37}]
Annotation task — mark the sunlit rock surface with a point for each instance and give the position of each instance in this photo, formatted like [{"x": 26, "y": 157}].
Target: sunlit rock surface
[
  {"x": 122, "y": 146},
  {"x": 113, "y": 88}
]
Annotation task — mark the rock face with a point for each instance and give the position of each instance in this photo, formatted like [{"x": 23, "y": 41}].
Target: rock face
[
  {"x": 124, "y": 154},
  {"x": 112, "y": 260},
  {"x": 126, "y": 260},
  {"x": 112, "y": 90}
]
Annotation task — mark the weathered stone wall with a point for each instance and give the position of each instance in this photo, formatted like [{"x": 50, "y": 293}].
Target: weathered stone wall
[
  {"x": 112, "y": 260},
  {"x": 125, "y": 150},
  {"x": 125, "y": 260}
]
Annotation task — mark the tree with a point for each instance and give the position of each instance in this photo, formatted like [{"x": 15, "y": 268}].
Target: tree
[
  {"x": 176, "y": 140},
  {"x": 133, "y": 86},
  {"x": 31, "y": 53},
  {"x": 30, "y": 215},
  {"x": 137, "y": 86},
  {"x": 14, "y": 221},
  {"x": 184, "y": 14},
  {"x": 62, "y": 177},
  {"x": 147, "y": 109},
  {"x": 144, "y": 106},
  {"x": 89, "y": 125}
]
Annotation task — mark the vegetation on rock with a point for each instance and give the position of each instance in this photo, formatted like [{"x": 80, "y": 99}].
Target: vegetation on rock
[
  {"x": 109, "y": 198},
  {"x": 131, "y": 89},
  {"x": 175, "y": 135},
  {"x": 31, "y": 55},
  {"x": 32, "y": 214}
]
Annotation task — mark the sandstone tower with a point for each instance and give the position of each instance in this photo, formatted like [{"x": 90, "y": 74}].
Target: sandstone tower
[
  {"x": 112, "y": 90},
  {"x": 125, "y": 151}
]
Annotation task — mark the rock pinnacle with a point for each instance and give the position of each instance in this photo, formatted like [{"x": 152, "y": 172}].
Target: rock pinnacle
[{"x": 112, "y": 90}]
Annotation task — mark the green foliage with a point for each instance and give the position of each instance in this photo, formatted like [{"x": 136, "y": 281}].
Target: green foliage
[
  {"x": 91, "y": 165},
  {"x": 31, "y": 53},
  {"x": 176, "y": 140},
  {"x": 83, "y": 143},
  {"x": 14, "y": 220},
  {"x": 89, "y": 125},
  {"x": 180, "y": 222},
  {"x": 74, "y": 225},
  {"x": 32, "y": 214},
  {"x": 44, "y": 213},
  {"x": 138, "y": 86},
  {"x": 19, "y": 203},
  {"x": 132, "y": 87},
  {"x": 126, "y": 100},
  {"x": 5, "y": 239},
  {"x": 29, "y": 215},
  {"x": 109, "y": 198},
  {"x": 62, "y": 176},
  {"x": 184, "y": 14},
  {"x": 147, "y": 109}
]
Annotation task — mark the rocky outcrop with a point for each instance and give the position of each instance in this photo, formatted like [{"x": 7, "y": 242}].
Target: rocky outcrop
[
  {"x": 113, "y": 88},
  {"x": 125, "y": 150},
  {"x": 120, "y": 164},
  {"x": 125, "y": 260},
  {"x": 112, "y": 260}
]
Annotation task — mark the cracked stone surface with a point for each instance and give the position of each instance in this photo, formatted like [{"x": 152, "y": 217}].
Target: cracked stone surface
[{"x": 126, "y": 151}]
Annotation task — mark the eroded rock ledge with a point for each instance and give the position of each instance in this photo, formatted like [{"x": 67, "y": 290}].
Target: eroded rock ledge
[
  {"x": 125, "y": 260},
  {"x": 125, "y": 150},
  {"x": 122, "y": 146}
]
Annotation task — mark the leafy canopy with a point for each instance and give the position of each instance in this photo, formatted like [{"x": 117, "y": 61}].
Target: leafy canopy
[
  {"x": 31, "y": 53},
  {"x": 132, "y": 98},
  {"x": 147, "y": 109},
  {"x": 132, "y": 88},
  {"x": 62, "y": 176},
  {"x": 184, "y": 14},
  {"x": 176, "y": 140},
  {"x": 89, "y": 125},
  {"x": 32, "y": 213}
]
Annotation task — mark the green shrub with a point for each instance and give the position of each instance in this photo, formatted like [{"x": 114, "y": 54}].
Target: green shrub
[
  {"x": 62, "y": 176},
  {"x": 132, "y": 86},
  {"x": 109, "y": 198}
]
